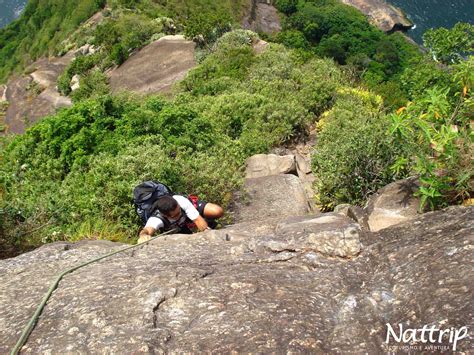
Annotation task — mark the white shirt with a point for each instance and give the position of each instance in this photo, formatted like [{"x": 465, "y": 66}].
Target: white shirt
[{"x": 188, "y": 208}]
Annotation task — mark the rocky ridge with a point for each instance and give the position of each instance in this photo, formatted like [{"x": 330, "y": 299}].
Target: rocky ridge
[
  {"x": 34, "y": 96},
  {"x": 386, "y": 17},
  {"x": 281, "y": 279}
]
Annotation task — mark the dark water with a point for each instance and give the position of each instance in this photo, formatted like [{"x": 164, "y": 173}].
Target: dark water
[
  {"x": 10, "y": 10},
  {"x": 427, "y": 14}
]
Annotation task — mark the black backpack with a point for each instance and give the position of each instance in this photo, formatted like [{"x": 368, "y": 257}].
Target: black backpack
[{"x": 145, "y": 195}]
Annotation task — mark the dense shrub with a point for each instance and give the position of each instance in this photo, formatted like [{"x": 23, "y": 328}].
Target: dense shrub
[
  {"x": 72, "y": 173},
  {"x": 81, "y": 66},
  {"x": 354, "y": 151},
  {"x": 450, "y": 45},
  {"x": 94, "y": 84},
  {"x": 286, "y": 6},
  {"x": 207, "y": 29},
  {"x": 332, "y": 29},
  {"x": 422, "y": 74},
  {"x": 436, "y": 131}
]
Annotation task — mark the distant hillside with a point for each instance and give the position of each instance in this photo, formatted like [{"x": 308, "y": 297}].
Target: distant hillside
[{"x": 44, "y": 25}]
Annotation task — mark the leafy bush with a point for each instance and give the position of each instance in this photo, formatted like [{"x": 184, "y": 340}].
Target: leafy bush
[
  {"x": 94, "y": 84},
  {"x": 81, "y": 66},
  {"x": 424, "y": 73},
  {"x": 436, "y": 130},
  {"x": 72, "y": 173},
  {"x": 450, "y": 45},
  {"x": 286, "y": 6},
  {"x": 331, "y": 29},
  {"x": 293, "y": 39},
  {"x": 226, "y": 61},
  {"x": 354, "y": 151},
  {"x": 206, "y": 29}
]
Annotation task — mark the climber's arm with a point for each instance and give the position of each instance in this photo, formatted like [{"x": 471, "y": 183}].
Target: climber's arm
[
  {"x": 201, "y": 223},
  {"x": 146, "y": 234}
]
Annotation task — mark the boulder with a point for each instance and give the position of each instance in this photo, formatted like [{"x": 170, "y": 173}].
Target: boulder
[
  {"x": 275, "y": 196},
  {"x": 303, "y": 165},
  {"x": 86, "y": 49},
  {"x": 356, "y": 213},
  {"x": 386, "y": 17},
  {"x": 263, "y": 17},
  {"x": 329, "y": 234},
  {"x": 304, "y": 171},
  {"x": 343, "y": 209},
  {"x": 260, "y": 46},
  {"x": 3, "y": 90},
  {"x": 269, "y": 164},
  {"x": 359, "y": 215},
  {"x": 227, "y": 291},
  {"x": 75, "y": 82},
  {"x": 393, "y": 204}
]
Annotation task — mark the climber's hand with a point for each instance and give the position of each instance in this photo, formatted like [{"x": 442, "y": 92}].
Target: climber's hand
[
  {"x": 201, "y": 223},
  {"x": 143, "y": 238}
]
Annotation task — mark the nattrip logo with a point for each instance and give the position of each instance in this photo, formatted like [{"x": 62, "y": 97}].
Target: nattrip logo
[{"x": 432, "y": 338}]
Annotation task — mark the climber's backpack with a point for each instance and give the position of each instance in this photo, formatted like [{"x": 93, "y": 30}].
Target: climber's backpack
[{"x": 146, "y": 194}]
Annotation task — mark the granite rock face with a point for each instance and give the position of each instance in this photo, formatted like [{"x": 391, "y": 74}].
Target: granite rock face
[
  {"x": 34, "y": 96},
  {"x": 236, "y": 290},
  {"x": 393, "y": 204},
  {"x": 329, "y": 234},
  {"x": 275, "y": 196},
  {"x": 155, "y": 67},
  {"x": 263, "y": 17},
  {"x": 270, "y": 164},
  {"x": 386, "y": 17}
]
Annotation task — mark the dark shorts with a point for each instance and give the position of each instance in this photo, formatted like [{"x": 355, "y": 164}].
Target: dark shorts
[
  {"x": 199, "y": 204},
  {"x": 200, "y": 207}
]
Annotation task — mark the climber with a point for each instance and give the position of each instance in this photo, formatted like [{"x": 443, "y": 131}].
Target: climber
[{"x": 176, "y": 211}]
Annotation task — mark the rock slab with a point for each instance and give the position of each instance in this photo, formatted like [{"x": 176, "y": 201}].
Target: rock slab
[
  {"x": 269, "y": 164},
  {"x": 329, "y": 234},
  {"x": 386, "y": 17},
  {"x": 155, "y": 67},
  {"x": 231, "y": 291},
  {"x": 393, "y": 204},
  {"x": 267, "y": 197},
  {"x": 35, "y": 96},
  {"x": 263, "y": 17}
]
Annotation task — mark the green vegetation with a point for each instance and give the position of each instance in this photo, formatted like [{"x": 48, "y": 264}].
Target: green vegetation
[
  {"x": 450, "y": 45},
  {"x": 355, "y": 151},
  {"x": 52, "y": 27},
  {"x": 72, "y": 173},
  {"x": 436, "y": 130},
  {"x": 40, "y": 30},
  {"x": 361, "y": 148},
  {"x": 329, "y": 28}
]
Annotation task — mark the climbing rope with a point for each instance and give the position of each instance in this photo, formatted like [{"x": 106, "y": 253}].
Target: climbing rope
[{"x": 31, "y": 324}]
